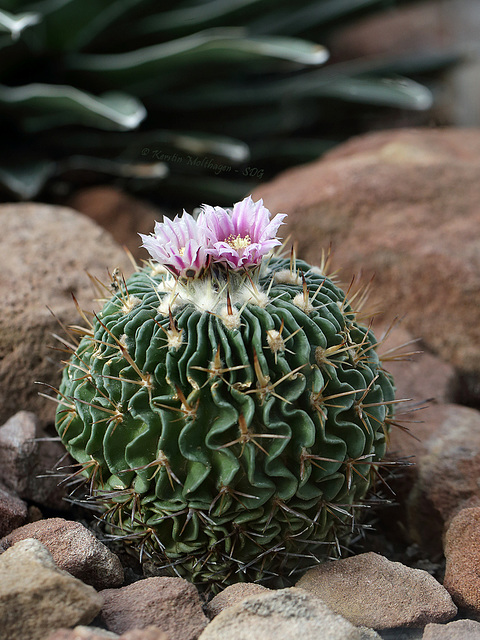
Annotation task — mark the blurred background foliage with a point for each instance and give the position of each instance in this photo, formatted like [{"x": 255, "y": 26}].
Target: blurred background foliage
[{"x": 186, "y": 101}]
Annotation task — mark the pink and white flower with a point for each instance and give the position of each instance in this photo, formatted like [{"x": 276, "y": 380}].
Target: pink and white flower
[
  {"x": 239, "y": 238},
  {"x": 180, "y": 245}
]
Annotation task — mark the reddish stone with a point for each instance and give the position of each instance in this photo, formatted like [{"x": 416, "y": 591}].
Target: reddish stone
[
  {"x": 462, "y": 552},
  {"x": 171, "y": 604},
  {"x": 447, "y": 474},
  {"x": 119, "y": 213},
  {"x": 402, "y": 205},
  {"x": 74, "y": 549},
  {"x": 372, "y": 591},
  {"x": 46, "y": 252}
]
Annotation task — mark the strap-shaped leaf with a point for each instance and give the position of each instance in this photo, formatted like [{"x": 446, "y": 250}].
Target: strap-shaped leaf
[
  {"x": 118, "y": 111},
  {"x": 198, "y": 16},
  {"x": 293, "y": 20},
  {"x": 394, "y": 92},
  {"x": 25, "y": 181},
  {"x": 16, "y": 23},
  {"x": 219, "y": 45}
]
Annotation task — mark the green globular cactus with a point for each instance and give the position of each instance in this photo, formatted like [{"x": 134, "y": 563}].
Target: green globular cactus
[{"x": 227, "y": 407}]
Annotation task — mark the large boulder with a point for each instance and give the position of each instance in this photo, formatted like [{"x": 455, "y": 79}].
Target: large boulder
[
  {"x": 46, "y": 252},
  {"x": 403, "y": 206}
]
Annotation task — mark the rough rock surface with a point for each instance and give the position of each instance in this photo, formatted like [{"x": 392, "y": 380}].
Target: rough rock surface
[
  {"x": 18, "y": 450},
  {"x": 36, "y": 597},
  {"x": 27, "y": 455},
  {"x": 446, "y": 479},
  {"x": 119, "y": 213},
  {"x": 151, "y": 602},
  {"x": 94, "y": 633},
  {"x": 280, "y": 615},
  {"x": 233, "y": 594},
  {"x": 402, "y": 205},
  {"x": 46, "y": 251},
  {"x": 370, "y": 590},
  {"x": 74, "y": 549},
  {"x": 462, "y": 552},
  {"x": 457, "y": 630},
  {"x": 13, "y": 512}
]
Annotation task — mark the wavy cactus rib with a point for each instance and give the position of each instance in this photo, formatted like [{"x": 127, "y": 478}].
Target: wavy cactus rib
[{"x": 230, "y": 443}]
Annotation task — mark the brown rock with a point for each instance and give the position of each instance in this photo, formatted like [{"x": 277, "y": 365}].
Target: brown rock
[
  {"x": 151, "y": 602},
  {"x": 372, "y": 591},
  {"x": 418, "y": 28},
  {"x": 457, "y": 630},
  {"x": 446, "y": 479},
  {"x": 13, "y": 512},
  {"x": 119, "y": 213},
  {"x": 418, "y": 374},
  {"x": 282, "y": 614},
  {"x": 74, "y": 549},
  {"x": 402, "y": 205},
  {"x": 36, "y": 597},
  {"x": 46, "y": 251},
  {"x": 462, "y": 572},
  {"x": 232, "y": 595},
  {"x": 423, "y": 380}
]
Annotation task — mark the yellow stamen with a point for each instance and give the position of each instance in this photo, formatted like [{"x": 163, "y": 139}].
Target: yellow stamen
[{"x": 239, "y": 242}]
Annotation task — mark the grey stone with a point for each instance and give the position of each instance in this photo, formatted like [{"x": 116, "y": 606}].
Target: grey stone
[
  {"x": 457, "y": 630},
  {"x": 27, "y": 455},
  {"x": 281, "y": 615},
  {"x": 36, "y": 597}
]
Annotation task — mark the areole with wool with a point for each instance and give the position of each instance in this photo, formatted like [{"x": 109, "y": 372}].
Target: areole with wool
[{"x": 227, "y": 406}]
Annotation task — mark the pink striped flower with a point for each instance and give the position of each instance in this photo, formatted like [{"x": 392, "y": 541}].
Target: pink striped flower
[
  {"x": 239, "y": 238},
  {"x": 180, "y": 245}
]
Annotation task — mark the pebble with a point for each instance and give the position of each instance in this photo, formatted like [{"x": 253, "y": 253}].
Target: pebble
[
  {"x": 27, "y": 456},
  {"x": 74, "y": 549},
  {"x": 462, "y": 553},
  {"x": 94, "y": 633},
  {"x": 13, "y": 512},
  {"x": 82, "y": 632},
  {"x": 231, "y": 595},
  {"x": 18, "y": 450},
  {"x": 370, "y": 590},
  {"x": 457, "y": 630},
  {"x": 446, "y": 478},
  {"x": 36, "y": 597},
  {"x": 151, "y": 601},
  {"x": 282, "y": 615}
]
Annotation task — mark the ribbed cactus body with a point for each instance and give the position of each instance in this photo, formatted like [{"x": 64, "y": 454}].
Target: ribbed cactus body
[{"x": 230, "y": 442}]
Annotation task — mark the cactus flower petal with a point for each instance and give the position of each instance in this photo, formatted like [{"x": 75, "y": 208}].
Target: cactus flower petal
[
  {"x": 179, "y": 245},
  {"x": 241, "y": 237}
]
